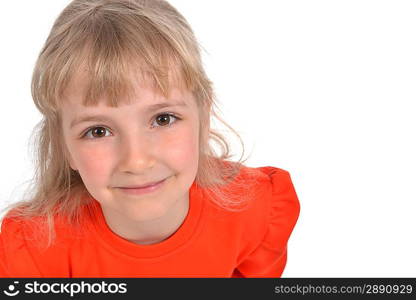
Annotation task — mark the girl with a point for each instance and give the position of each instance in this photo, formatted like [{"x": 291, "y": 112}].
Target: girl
[{"x": 127, "y": 183}]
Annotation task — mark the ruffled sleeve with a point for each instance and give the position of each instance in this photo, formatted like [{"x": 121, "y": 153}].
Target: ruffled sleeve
[
  {"x": 15, "y": 257},
  {"x": 269, "y": 258},
  {"x": 3, "y": 269}
]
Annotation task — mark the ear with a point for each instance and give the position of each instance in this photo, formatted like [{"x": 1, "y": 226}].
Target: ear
[
  {"x": 72, "y": 164},
  {"x": 70, "y": 160}
]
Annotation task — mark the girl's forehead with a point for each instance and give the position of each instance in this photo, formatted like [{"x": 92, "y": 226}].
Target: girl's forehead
[
  {"x": 141, "y": 88},
  {"x": 143, "y": 94}
]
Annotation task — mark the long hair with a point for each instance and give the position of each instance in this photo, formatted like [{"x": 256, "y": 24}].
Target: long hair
[{"x": 113, "y": 38}]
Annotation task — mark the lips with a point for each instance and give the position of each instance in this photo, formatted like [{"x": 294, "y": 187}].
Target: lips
[
  {"x": 142, "y": 186},
  {"x": 140, "y": 190}
]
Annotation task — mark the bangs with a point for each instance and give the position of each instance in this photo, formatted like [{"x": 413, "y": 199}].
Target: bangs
[
  {"x": 119, "y": 77},
  {"x": 113, "y": 53}
]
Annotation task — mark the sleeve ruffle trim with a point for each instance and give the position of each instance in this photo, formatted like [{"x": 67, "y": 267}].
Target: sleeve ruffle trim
[{"x": 269, "y": 258}]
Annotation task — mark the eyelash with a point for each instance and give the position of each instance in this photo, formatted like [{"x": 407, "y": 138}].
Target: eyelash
[{"x": 84, "y": 135}]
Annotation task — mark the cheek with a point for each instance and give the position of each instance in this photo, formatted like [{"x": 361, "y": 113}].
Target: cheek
[
  {"x": 94, "y": 161},
  {"x": 182, "y": 147}
]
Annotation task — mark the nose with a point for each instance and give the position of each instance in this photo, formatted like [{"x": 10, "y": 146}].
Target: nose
[{"x": 136, "y": 153}]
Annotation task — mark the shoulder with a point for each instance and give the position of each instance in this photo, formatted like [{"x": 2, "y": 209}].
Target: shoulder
[
  {"x": 265, "y": 254},
  {"x": 25, "y": 250},
  {"x": 281, "y": 191},
  {"x": 271, "y": 199},
  {"x": 19, "y": 228},
  {"x": 283, "y": 206},
  {"x": 275, "y": 195},
  {"x": 12, "y": 228},
  {"x": 268, "y": 224},
  {"x": 17, "y": 233},
  {"x": 16, "y": 259},
  {"x": 270, "y": 187}
]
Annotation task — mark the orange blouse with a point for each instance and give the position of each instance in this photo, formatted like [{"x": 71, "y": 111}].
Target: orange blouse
[{"x": 211, "y": 242}]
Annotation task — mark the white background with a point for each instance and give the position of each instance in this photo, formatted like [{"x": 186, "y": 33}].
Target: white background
[{"x": 323, "y": 89}]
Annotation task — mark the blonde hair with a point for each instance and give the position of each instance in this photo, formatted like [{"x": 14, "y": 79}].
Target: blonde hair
[{"x": 111, "y": 38}]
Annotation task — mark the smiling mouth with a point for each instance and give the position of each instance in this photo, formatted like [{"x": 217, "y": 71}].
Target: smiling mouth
[
  {"x": 133, "y": 190},
  {"x": 142, "y": 186}
]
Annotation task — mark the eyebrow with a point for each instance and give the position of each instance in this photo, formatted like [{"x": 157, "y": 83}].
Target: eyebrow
[{"x": 101, "y": 118}]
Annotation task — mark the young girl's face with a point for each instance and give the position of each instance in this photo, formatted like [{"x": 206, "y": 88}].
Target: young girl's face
[{"x": 131, "y": 145}]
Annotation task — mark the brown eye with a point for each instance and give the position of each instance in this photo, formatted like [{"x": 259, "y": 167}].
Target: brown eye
[
  {"x": 164, "y": 120},
  {"x": 96, "y": 132}
]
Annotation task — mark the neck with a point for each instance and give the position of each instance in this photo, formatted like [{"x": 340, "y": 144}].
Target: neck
[{"x": 150, "y": 231}]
